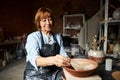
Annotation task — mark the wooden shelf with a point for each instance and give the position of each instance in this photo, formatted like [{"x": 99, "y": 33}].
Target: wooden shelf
[
  {"x": 110, "y": 22},
  {"x": 72, "y": 24}
]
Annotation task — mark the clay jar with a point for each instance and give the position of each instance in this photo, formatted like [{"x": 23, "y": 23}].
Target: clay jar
[{"x": 96, "y": 55}]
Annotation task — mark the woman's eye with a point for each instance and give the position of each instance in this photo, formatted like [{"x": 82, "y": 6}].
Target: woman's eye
[
  {"x": 49, "y": 18},
  {"x": 43, "y": 20}
]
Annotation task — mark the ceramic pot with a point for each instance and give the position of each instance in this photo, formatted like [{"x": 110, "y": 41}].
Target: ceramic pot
[
  {"x": 96, "y": 55},
  {"x": 116, "y": 14}
]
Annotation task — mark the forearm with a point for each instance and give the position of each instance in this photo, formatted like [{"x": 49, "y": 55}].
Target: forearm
[
  {"x": 45, "y": 61},
  {"x": 57, "y": 60}
]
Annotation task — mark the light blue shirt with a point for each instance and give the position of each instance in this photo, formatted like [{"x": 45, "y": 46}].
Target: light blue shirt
[{"x": 33, "y": 46}]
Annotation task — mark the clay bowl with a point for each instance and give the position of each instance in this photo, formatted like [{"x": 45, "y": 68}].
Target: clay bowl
[{"x": 81, "y": 67}]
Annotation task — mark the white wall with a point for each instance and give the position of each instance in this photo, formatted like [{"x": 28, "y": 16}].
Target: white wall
[
  {"x": 93, "y": 28},
  {"x": 90, "y": 28}
]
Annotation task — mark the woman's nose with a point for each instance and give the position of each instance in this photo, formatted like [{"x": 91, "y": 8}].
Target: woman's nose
[{"x": 48, "y": 21}]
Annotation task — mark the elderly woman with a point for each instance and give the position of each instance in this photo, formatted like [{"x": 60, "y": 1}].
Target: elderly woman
[{"x": 45, "y": 52}]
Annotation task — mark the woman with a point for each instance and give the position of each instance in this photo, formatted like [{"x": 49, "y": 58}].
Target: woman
[{"x": 45, "y": 52}]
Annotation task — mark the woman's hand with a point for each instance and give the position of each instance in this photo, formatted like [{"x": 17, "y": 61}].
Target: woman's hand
[{"x": 60, "y": 61}]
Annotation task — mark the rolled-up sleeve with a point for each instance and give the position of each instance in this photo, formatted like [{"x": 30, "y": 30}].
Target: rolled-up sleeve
[{"x": 32, "y": 48}]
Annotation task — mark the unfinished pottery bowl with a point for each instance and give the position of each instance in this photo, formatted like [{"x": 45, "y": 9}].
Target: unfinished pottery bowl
[{"x": 82, "y": 67}]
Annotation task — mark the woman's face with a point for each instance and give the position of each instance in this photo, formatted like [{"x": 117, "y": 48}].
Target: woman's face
[{"x": 46, "y": 24}]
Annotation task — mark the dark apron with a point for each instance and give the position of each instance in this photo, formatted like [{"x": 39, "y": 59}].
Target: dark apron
[{"x": 45, "y": 73}]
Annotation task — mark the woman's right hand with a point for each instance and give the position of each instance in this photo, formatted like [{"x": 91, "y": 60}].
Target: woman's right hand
[{"x": 61, "y": 61}]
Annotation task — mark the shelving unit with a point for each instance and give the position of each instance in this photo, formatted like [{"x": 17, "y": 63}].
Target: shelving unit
[
  {"x": 72, "y": 25},
  {"x": 106, "y": 23}
]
